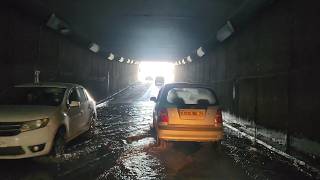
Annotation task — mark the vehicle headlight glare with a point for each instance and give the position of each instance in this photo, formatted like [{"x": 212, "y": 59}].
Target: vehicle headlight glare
[{"x": 35, "y": 124}]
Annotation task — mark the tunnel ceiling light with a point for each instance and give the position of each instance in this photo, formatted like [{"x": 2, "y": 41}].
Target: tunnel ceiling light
[
  {"x": 121, "y": 59},
  {"x": 183, "y": 61},
  {"x": 132, "y": 61},
  {"x": 225, "y": 32},
  {"x": 94, "y": 47},
  {"x": 111, "y": 57},
  {"x": 128, "y": 61},
  {"x": 200, "y": 52},
  {"x": 64, "y": 31},
  {"x": 57, "y": 24},
  {"x": 189, "y": 59}
]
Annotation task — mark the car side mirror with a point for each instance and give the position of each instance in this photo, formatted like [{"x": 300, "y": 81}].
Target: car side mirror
[
  {"x": 154, "y": 99},
  {"x": 74, "y": 104}
]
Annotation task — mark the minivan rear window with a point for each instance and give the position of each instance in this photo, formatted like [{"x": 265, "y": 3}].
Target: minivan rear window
[{"x": 191, "y": 96}]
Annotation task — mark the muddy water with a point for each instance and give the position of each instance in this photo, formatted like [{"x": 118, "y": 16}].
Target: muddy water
[{"x": 122, "y": 147}]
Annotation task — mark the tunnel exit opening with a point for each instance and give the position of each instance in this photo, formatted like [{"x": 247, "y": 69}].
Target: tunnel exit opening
[{"x": 148, "y": 71}]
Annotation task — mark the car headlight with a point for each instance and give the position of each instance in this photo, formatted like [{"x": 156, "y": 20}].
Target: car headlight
[{"x": 35, "y": 124}]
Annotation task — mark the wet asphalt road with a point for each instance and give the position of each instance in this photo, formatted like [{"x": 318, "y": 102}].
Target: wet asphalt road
[{"x": 122, "y": 147}]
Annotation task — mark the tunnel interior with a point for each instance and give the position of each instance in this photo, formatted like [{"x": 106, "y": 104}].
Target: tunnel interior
[{"x": 264, "y": 69}]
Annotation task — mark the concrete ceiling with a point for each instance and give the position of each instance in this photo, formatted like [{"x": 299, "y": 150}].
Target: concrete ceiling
[{"x": 142, "y": 29}]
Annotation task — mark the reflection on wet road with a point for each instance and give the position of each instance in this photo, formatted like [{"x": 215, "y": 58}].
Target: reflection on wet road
[{"x": 122, "y": 147}]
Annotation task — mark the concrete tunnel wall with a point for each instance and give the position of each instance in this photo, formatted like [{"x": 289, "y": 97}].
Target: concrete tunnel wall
[
  {"x": 27, "y": 46},
  {"x": 272, "y": 67}
]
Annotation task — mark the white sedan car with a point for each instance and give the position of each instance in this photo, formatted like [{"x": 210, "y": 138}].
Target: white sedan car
[{"x": 38, "y": 119}]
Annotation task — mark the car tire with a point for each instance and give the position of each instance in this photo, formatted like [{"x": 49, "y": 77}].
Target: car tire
[
  {"x": 92, "y": 127},
  {"x": 216, "y": 145},
  {"x": 161, "y": 143},
  {"x": 58, "y": 143},
  {"x": 153, "y": 130}
]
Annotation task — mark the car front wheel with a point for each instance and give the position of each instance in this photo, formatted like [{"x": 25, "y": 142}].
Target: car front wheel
[
  {"x": 92, "y": 120},
  {"x": 58, "y": 144}
]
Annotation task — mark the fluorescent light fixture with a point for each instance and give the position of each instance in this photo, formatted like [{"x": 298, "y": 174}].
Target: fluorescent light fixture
[
  {"x": 189, "y": 59},
  {"x": 200, "y": 52},
  {"x": 111, "y": 57},
  {"x": 225, "y": 32},
  {"x": 94, "y": 47},
  {"x": 65, "y": 31},
  {"x": 57, "y": 24},
  {"x": 121, "y": 59}
]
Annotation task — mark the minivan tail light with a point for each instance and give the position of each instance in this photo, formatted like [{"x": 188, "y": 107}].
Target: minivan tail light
[
  {"x": 218, "y": 118},
  {"x": 163, "y": 116}
]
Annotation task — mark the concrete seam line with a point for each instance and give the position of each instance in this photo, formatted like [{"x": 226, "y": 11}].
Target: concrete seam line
[{"x": 300, "y": 162}]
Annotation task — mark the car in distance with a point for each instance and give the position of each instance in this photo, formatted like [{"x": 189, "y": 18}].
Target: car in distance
[
  {"x": 187, "y": 112},
  {"x": 149, "y": 78},
  {"x": 159, "y": 81},
  {"x": 38, "y": 119}
]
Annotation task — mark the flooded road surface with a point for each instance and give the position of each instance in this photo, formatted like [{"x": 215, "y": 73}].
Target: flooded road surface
[{"x": 122, "y": 147}]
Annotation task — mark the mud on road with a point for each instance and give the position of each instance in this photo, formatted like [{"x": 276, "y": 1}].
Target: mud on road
[{"x": 122, "y": 146}]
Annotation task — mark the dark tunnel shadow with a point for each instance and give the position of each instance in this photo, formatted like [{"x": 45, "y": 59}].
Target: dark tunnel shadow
[{"x": 30, "y": 168}]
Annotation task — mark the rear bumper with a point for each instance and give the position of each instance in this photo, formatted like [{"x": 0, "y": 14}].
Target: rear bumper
[{"x": 187, "y": 133}]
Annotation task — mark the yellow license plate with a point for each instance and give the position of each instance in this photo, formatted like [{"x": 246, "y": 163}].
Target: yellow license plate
[{"x": 192, "y": 114}]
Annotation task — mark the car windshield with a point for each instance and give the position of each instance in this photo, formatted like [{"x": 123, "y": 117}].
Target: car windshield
[
  {"x": 191, "y": 96},
  {"x": 38, "y": 96}
]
